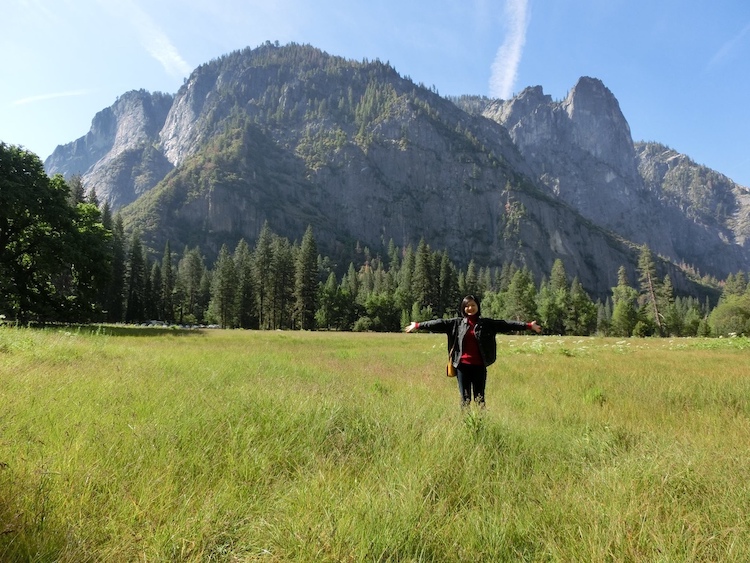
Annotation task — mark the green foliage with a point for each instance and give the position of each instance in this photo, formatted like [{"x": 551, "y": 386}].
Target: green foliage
[
  {"x": 520, "y": 301},
  {"x": 306, "y": 282},
  {"x": 223, "y": 290},
  {"x": 731, "y": 316},
  {"x": 624, "y": 312},
  {"x": 68, "y": 260},
  {"x": 46, "y": 270}
]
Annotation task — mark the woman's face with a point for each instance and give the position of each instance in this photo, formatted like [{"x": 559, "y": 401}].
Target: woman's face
[{"x": 471, "y": 307}]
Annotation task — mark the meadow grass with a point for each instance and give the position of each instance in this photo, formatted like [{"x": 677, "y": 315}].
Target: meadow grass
[{"x": 124, "y": 444}]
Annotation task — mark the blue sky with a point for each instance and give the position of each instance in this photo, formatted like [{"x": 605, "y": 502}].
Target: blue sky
[{"x": 680, "y": 70}]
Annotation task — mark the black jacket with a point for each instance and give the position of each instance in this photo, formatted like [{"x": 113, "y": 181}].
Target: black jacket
[{"x": 485, "y": 331}]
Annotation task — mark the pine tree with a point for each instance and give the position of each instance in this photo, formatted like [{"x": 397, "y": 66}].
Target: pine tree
[
  {"x": 449, "y": 294},
  {"x": 624, "y": 312},
  {"x": 115, "y": 299},
  {"x": 306, "y": 282},
  {"x": 581, "y": 319},
  {"x": 167, "y": 286},
  {"x": 77, "y": 190},
  {"x": 553, "y": 300},
  {"x": 350, "y": 282},
  {"x": 262, "y": 257},
  {"x": 649, "y": 286},
  {"x": 328, "y": 315},
  {"x": 282, "y": 283},
  {"x": 520, "y": 300},
  {"x": 471, "y": 281},
  {"x": 154, "y": 302},
  {"x": 424, "y": 279},
  {"x": 223, "y": 289},
  {"x": 190, "y": 272},
  {"x": 404, "y": 295},
  {"x": 672, "y": 319},
  {"x": 246, "y": 300},
  {"x": 604, "y": 317},
  {"x": 135, "y": 306},
  {"x": 735, "y": 284}
]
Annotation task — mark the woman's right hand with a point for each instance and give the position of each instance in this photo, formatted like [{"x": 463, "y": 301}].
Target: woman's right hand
[{"x": 411, "y": 327}]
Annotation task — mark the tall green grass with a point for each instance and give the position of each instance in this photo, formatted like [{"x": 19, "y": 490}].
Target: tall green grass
[{"x": 164, "y": 445}]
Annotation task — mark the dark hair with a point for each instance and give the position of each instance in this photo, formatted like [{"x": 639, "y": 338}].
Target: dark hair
[{"x": 466, "y": 300}]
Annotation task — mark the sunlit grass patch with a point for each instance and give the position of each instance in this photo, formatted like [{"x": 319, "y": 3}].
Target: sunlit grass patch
[{"x": 236, "y": 446}]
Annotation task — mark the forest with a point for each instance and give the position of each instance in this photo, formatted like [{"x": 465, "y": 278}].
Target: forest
[{"x": 67, "y": 259}]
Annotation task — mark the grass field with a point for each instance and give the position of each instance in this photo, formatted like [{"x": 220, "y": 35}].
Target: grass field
[{"x": 162, "y": 445}]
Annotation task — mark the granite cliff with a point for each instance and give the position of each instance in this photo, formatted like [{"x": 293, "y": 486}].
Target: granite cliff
[{"x": 296, "y": 137}]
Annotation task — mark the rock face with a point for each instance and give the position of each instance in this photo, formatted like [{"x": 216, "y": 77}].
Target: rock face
[
  {"x": 295, "y": 137},
  {"x": 117, "y": 155},
  {"x": 582, "y": 151}
]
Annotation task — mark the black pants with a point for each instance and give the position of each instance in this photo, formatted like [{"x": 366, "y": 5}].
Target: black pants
[{"x": 471, "y": 383}]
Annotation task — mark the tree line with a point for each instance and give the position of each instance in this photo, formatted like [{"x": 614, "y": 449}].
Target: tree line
[{"x": 67, "y": 259}]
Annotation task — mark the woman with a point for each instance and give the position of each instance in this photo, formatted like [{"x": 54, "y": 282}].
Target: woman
[{"x": 471, "y": 341}]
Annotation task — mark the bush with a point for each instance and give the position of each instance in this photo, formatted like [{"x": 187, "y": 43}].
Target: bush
[
  {"x": 731, "y": 316},
  {"x": 363, "y": 324}
]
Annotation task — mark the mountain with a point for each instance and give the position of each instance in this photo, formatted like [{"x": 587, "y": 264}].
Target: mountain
[
  {"x": 297, "y": 137},
  {"x": 118, "y": 155},
  {"x": 581, "y": 150}
]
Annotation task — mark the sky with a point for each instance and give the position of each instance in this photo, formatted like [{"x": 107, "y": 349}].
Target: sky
[{"x": 679, "y": 70}]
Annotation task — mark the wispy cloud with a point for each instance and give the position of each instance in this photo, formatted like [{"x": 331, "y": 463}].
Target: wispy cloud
[
  {"x": 153, "y": 39},
  {"x": 52, "y": 96},
  {"x": 508, "y": 57},
  {"x": 729, "y": 47}
]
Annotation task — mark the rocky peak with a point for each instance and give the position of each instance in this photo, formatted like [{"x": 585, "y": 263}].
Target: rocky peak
[
  {"x": 135, "y": 118},
  {"x": 598, "y": 127},
  {"x": 110, "y": 155}
]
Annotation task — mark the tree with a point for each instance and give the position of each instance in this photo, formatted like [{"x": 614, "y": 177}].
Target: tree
[
  {"x": 649, "y": 287},
  {"x": 115, "y": 298},
  {"x": 167, "y": 286},
  {"x": 306, "y": 282},
  {"x": 34, "y": 215},
  {"x": 223, "y": 288},
  {"x": 471, "y": 281},
  {"x": 77, "y": 190},
  {"x": 404, "y": 293},
  {"x": 190, "y": 271},
  {"x": 333, "y": 306},
  {"x": 262, "y": 257},
  {"x": 731, "y": 316},
  {"x": 624, "y": 312},
  {"x": 735, "y": 284},
  {"x": 582, "y": 315},
  {"x": 87, "y": 260},
  {"x": 424, "y": 281},
  {"x": 449, "y": 294},
  {"x": 135, "y": 282},
  {"x": 282, "y": 284},
  {"x": 383, "y": 314},
  {"x": 672, "y": 321},
  {"x": 520, "y": 299},
  {"x": 553, "y": 300},
  {"x": 246, "y": 300},
  {"x": 604, "y": 317},
  {"x": 154, "y": 303}
]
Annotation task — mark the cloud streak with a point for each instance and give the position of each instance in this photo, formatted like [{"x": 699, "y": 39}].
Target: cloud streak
[
  {"x": 729, "y": 47},
  {"x": 52, "y": 96},
  {"x": 504, "y": 69},
  {"x": 154, "y": 40}
]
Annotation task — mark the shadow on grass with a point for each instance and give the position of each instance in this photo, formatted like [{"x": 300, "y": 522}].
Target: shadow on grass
[{"x": 134, "y": 330}]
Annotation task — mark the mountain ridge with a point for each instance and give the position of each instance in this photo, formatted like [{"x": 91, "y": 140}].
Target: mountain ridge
[{"x": 294, "y": 136}]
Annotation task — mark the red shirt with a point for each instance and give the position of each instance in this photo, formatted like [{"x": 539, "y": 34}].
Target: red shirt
[{"x": 470, "y": 349}]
